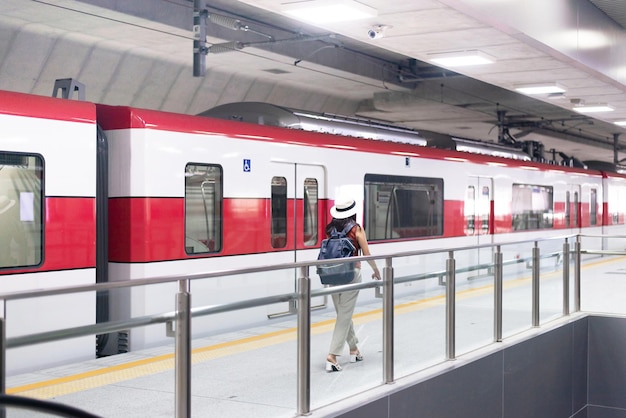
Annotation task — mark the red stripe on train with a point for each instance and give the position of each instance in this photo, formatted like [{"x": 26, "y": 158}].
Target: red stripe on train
[
  {"x": 147, "y": 229},
  {"x": 144, "y": 229},
  {"x": 69, "y": 235}
]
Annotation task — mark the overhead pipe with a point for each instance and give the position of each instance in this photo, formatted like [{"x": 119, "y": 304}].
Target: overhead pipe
[{"x": 234, "y": 24}]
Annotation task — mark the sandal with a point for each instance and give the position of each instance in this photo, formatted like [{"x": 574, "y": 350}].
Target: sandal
[
  {"x": 332, "y": 367},
  {"x": 354, "y": 357}
]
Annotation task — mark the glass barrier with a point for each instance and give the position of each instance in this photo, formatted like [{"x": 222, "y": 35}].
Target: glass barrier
[
  {"x": 474, "y": 299},
  {"x": 517, "y": 288},
  {"x": 245, "y": 351},
  {"x": 222, "y": 343},
  {"x": 419, "y": 320},
  {"x": 551, "y": 280},
  {"x": 603, "y": 274},
  {"x": 107, "y": 368}
]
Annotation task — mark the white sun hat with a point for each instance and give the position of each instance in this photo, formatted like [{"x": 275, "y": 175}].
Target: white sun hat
[{"x": 343, "y": 210}]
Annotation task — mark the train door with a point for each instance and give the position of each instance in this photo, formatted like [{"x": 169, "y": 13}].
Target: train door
[
  {"x": 572, "y": 207},
  {"x": 304, "y": 189},
  {"x": 479, "y": 205}
]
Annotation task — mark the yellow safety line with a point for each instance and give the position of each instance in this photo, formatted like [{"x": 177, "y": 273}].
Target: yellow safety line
[{"x": 111, "y": 374}]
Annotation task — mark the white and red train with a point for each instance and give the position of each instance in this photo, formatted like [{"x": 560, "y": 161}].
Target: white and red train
[{"x": 153, "y": 194}]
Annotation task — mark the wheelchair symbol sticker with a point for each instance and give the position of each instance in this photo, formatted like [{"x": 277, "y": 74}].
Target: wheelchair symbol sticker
[{"x": 246, "y": 166}]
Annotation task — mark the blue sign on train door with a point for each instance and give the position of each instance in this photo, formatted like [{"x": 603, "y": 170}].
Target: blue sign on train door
[{"x": 246, "y": 166}]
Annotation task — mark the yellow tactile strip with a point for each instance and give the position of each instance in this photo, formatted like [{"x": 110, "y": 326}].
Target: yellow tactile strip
[{"x": 117, "y": 373}]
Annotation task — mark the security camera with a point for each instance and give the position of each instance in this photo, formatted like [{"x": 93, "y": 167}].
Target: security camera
[{"x": 376, "y": 32}]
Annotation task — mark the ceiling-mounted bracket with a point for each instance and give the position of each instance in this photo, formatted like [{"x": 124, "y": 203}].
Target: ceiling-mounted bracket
[{"x": 200, "y": 15}]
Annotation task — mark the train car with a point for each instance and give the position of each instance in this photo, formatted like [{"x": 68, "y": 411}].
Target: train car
[
  {"x": 193, "y": 194},
  {"x": 48, "y": 151},
  {"x": 185, "y": 195}
]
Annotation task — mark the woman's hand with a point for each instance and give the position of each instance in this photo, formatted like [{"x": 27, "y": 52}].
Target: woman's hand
[{"x": 376, "y": 275}]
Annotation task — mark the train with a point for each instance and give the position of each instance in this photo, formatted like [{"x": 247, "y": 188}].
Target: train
[{"x": 93, "y": 193}]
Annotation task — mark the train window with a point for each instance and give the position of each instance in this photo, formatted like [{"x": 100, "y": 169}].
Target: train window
[
  {"x": 593, "y": 207},
  {"x": 531, "y": 207},
  {"x": 279, "y": 212},
  {"x": 203, "y": 208},
  {"x": 575, "y": 210},
  {"x": 310, "y": 211},
  {"x": 485, "y": 208},
  {"x": 21, "y": 206},
  {"x": 567, "y": 210},
  {"x": 403, "y": 207},
  {"x": 470, "y": 209}
]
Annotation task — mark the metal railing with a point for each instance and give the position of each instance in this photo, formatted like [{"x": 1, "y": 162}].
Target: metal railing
[{"x": 178, "y": 321}]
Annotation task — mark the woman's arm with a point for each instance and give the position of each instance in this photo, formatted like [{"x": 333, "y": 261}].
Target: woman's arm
[{"x": 362, "y": 240}]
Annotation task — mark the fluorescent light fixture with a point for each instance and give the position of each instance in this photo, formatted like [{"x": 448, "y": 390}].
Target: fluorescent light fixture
[
  {"x": 328, "y": 11},
  {"x": 461, "y": 58},
  {"x": 405, "y": 154},
  {"x": 539, "y": 88},
  {"x": 620, "y": 123},
  {"x": 594, "y": 108}
]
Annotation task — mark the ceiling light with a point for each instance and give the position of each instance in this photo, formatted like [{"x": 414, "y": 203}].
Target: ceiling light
[
  {"x": 594, "y": 108},
  {"x": 327, "y": 11},
  {"x": 461, "y": 58},
  {"x": 620, "y": 123},
  {"x": 543, "y": 88}
]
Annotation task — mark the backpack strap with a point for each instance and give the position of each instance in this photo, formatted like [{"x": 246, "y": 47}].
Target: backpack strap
[
  {"x": 345, "y": 233},
  {"x": 347, "y": 229}
]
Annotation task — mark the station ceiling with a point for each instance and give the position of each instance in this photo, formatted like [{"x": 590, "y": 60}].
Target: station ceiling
[{"x": 140, "y": 53}]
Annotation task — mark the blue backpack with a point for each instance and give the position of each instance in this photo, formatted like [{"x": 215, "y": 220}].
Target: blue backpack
[{"x": 337, "y": 245}]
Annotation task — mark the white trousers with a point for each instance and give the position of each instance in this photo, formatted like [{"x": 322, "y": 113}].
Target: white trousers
[{"x": 344, "y": 329}]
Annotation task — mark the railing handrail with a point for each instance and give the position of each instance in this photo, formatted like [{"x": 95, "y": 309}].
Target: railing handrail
[
  {"x": 161, "y": 318},
  {"x": 28, "y": 294}
]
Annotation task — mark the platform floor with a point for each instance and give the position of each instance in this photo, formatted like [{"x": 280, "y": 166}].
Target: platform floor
[{"x": 252, "y": 372}]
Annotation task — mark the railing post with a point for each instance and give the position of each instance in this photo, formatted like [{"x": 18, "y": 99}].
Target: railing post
[
  {"x": 450, "y": 306},
  {"x": 388, "y": 322},
  {"x": 535, "y": 286},
  {"x": 566, "y": 277},
  {"x": 304, "y": 342},
  {"x": 183, "y": 350},
  {"x": 497, "y": 309},
  {"x": 3, "y": 357},
  {"x": 3, "y": 362},
  {"x": 577, "y": 261}
]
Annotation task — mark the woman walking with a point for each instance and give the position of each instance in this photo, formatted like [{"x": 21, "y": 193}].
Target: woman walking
[{"x": 344, "y": 213}]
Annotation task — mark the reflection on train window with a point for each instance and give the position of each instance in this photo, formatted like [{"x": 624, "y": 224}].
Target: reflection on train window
[
  {"x": 403, "y": 207},
  {"x": 531, "y": 207},
  {"x": 203, "y": 208},
  {"x": 310, "y": 211},
  {"x": 21, "y": 205},
  {"x": 593, "y": 207},
  {"x": 279, "y": 212},
  {"x": 470, "y": 209}
]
